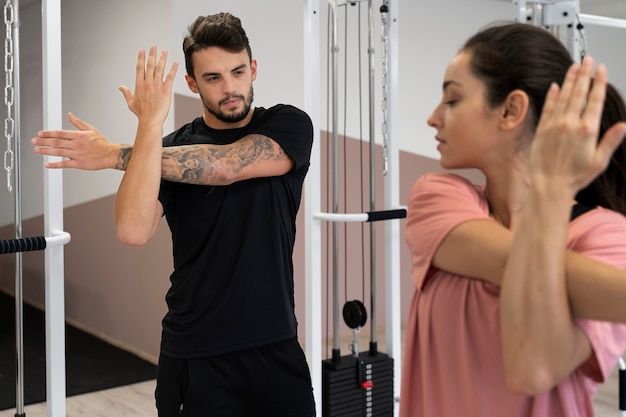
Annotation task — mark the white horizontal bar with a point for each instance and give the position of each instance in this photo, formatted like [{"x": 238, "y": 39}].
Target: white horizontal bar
[
  {"x": 348, "y": 217},
  {"x": 59, "y": 238},
  {"x": 603, "y": 21},
  {"x": 341, "y": 217}
]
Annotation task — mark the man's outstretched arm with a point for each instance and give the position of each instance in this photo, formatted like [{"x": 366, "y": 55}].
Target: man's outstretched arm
[{"x": 87, "y": 149}]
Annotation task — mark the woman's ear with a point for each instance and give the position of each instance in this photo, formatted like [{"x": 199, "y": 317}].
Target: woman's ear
[{"x": 514, "y": 110}]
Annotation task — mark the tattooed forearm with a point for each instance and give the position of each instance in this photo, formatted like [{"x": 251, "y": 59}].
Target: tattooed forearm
[
  {"x": 123, "y": 158},
  {"x": 258, "y": 147},
  {"x": 185, "y": 163},
  {"x": 220, "y": 164}
]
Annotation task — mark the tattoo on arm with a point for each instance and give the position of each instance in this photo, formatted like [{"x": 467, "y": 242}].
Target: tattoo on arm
[
  {"x": 217, "y": 164},
  {"x": 123, "y": 158}
]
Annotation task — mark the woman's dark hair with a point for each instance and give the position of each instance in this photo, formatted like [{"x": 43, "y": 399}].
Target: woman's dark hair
[
  {"x": 520, "y": 56},
  {"x": 222, "y": 30}
]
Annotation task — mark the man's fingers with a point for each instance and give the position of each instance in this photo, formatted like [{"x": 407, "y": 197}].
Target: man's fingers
[
  {"x": 62, "y": 135},
  {"x": 79, "y": 123},
  {"x": 172, "y": 73},
  {"x": 151, "y": 66},
  {"x": 52, "y": 151},
  {"x": 58, "y": 164},
  {"x": 53, "y": 147},
  {"x": 141, "y": 67},
  {"x": 44, "y": 137},
  {"x": 64, "y": 163},
  {"x": 128, "y": 95},
  {"x": 160, "y": 66}
]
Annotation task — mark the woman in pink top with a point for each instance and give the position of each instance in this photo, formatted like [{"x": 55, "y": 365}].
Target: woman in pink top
[{"x": 509, "y": 292}]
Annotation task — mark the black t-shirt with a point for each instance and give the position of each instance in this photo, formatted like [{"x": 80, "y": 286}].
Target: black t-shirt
[{"x": 232, "y": 285}]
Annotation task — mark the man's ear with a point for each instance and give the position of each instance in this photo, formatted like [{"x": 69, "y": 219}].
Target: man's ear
[
  {"x": 514, "y": 110},
  {"x": 191, "y": 83},
  {"x": 253, "y": 68}
]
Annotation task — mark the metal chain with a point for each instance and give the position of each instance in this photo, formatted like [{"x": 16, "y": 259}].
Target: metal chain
[
  {"x": 9, "y": 93},
  {"x": 385, "y": 71}
]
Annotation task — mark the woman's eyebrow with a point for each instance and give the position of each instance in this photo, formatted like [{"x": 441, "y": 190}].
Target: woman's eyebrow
[{"x": 448, "y": 83}]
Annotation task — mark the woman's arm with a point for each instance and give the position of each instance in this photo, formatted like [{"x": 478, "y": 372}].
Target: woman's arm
[
  {"x": 541, "y": 342},
  {"x": 480, "y": 249}
]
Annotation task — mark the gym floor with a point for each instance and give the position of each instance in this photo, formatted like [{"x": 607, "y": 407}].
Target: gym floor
[{"x": 137, "y": 400}]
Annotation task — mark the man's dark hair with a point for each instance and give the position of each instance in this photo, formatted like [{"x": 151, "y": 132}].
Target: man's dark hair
[{"x": 222, "y": 30}]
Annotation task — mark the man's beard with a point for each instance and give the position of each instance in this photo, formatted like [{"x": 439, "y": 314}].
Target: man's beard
[{"x": 231, "y": 118}]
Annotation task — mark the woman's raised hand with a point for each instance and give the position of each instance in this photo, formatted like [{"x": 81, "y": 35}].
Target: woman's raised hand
[{"x": 566, "y": 151}]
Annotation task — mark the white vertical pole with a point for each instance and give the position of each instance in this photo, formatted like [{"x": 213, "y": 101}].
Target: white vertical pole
[
  {"x": 19, "y": 261},
  {"x": 393, "y": 233},
  {"x": 312, "y": 194},
  {"x": 53, "y": 213}
]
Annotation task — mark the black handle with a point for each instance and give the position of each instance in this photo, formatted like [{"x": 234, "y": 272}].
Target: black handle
[{"x": 22, "y": 245}]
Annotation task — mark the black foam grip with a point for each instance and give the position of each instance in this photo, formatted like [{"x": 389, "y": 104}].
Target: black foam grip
[
  {"x": 622, "y": 389},
  {"x": 373, "y": 216},
  {"x": 22, "y": 245}
]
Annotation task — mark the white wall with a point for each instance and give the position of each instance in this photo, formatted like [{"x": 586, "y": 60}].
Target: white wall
[
  {"x": 100, "y": 44},
  {"x": 100, "y": 41},
  {"x": 429, "y": 37},
  {"x": 274, "y": 29},
  {"x": 607, "y": 45}
]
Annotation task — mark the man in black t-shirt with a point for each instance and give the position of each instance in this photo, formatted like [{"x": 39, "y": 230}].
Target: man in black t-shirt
[{"x": 229, "y": 184}]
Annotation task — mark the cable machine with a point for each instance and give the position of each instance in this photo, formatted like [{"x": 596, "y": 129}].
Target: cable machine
[
  {"x": 54, "y": 237},
  {"x": 361, "y": 383},
  {"x": 562, "y": 18}
]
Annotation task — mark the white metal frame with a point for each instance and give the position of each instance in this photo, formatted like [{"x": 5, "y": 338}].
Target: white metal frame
[
  {"x": 313, "y": 218},
  {"x": 312, "y": 194},
  {"x": 53, "y": 214},
  {"x": 54, "y": 235},
  {"x": 393, "y": 234},
  {"x": 559, "y": 16},
  {"x": 603, "y": 21}
]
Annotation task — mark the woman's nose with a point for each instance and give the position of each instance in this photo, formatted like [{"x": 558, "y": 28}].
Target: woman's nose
[{"x": 433, "y": 120}]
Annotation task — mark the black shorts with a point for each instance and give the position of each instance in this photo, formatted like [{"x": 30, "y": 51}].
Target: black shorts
[{"x": 272, "y": 381}]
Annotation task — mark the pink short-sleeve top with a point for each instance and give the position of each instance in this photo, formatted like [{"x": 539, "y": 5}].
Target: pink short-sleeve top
[{"x": 453, "y": 363}]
